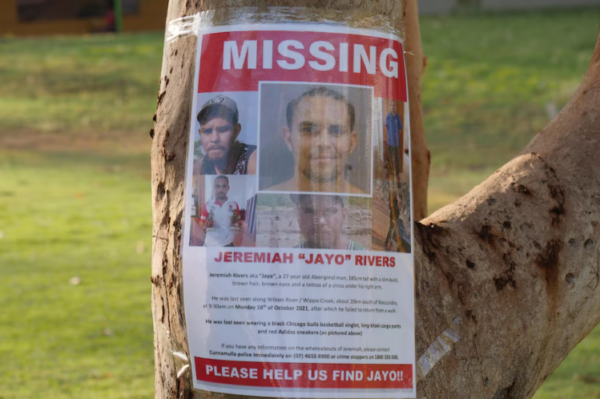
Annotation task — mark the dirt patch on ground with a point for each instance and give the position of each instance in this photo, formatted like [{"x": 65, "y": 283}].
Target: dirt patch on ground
[{"x": 29, "y": 140}]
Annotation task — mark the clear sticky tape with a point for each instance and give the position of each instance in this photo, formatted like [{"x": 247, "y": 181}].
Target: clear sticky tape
[
  {"x": 182, "y": 27},
  {"x": 180, "y": 358},
  {"x": 438, "y": 349},
  {"x": 187, "y": 26},
  {"x": 182, "y": 363}
]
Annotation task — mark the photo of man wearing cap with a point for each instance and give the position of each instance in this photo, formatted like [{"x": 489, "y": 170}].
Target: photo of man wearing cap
[
  {"x": 321, "y": 220},
  {"x": 219, "y": 129},
  {"x": 321, "y": 131}
]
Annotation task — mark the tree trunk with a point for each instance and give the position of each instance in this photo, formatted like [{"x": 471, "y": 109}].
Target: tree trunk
[{"x": 506, "y": 278}]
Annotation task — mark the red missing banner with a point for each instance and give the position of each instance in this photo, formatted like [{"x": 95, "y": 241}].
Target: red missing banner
[
  {"x": 305, "y": 375},
  {"x": 238, "y": 61}
]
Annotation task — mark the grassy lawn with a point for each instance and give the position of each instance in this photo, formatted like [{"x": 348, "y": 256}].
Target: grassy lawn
[
  {"x": 64, "y": 218},
  {"x": 75, "y": 222},
  {"x": 79, "y": 84},
  {"x": 490, "y": 83}
]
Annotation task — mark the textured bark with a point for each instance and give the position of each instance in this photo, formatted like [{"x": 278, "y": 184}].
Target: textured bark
[
  {"x": 415, "y": 64},
  {"x": 515, "y": 263},
  {"x": 517, "y": 259}
]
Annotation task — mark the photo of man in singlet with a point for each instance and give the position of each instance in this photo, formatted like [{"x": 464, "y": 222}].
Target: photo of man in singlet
[{"x": 219, "y": 129}]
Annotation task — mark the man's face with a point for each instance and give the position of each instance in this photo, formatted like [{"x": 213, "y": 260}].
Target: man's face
[
  {"x": 221, "y": 188},
  {"x": 320, "y": 138},
  {"x": 321, "y": 219},
  {"x": 217, "y": 136},
  {"x": 393, "y": 107}
]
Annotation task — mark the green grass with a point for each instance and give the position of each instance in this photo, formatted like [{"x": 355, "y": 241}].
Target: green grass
[
  {"x": 489, "y": 81},
  {"x": 89, "y": 83},
  {"x": 62, "y": 217},
  {"x": 86, "y": 213},
  {"x": 578, "y": 376}
]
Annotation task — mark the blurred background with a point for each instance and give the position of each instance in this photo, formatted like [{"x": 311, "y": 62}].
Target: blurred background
[{"x": 78, "y": 82}]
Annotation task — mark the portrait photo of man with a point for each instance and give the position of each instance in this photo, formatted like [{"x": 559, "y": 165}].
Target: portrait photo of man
[
  {"x": 315, "y": 138},
  {"x": 314, "y": 221},
  {"x": 219, "y": 150},
  {"x": 321, "y": 220}
]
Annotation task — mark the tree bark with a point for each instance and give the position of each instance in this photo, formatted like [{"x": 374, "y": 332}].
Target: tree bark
[
  {"x": 509, "y": 272},
  {"x": 415, "y": 65},
  {"x": 517, "y": 261}
]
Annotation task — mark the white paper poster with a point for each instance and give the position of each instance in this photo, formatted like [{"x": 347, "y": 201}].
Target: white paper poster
[{"x": 297, "y": 264}]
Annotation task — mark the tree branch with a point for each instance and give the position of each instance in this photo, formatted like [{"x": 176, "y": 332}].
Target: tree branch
[{"x": 517, "y": 261}]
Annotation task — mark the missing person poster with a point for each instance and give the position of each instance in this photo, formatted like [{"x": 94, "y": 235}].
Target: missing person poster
[{"x": 297, "y": 266}]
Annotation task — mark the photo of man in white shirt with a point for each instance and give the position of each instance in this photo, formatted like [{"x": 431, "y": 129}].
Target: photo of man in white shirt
[{"x": 220, "y": 216}]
